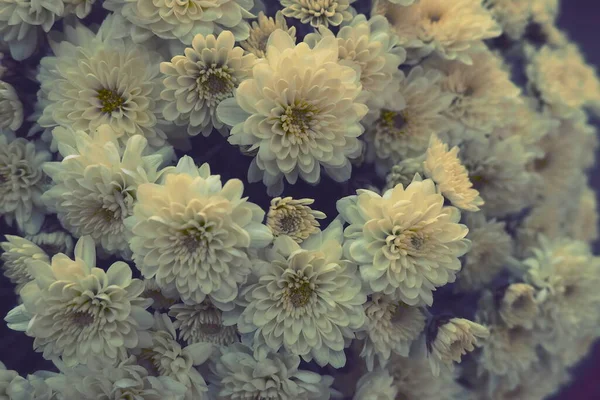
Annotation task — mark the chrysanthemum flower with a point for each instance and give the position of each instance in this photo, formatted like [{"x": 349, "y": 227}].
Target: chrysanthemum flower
[
  {"x": 197, "y": 82},
  {"x": 518, "y": 306},
  {"x": 453, "y": 339},
  {"x": 192, "y": 233},
  {"x": 451, "y": 177},
  {"x": 491, "y": 246},
  {"x": 202, "y": 323},
  {"x": 318, "y": 12},
  {"x": 512, "y": 15},
  {"x": 409, "y": 116},
  {"x": 404, "y": 172},
  {"x": 7, "y": 378},
  {"x": 95, "y": 184},
  {"x": 415, "y": 381},
  {"x": 308, "y": 300},
  {"x": 81, "y": 8},
  {"x": 17, "y": 255},
  {"x": 159, "y": 352},
  {"x": 183, "y": 20},
  {"x": 21, "y": 21},
  {"x": 371, "y": 47},
  {"x": 564, "y": 80},
  {"x": 125, "y": 380},
  {"x": 376, "y": 385},
  {"x": 22, "y": 182},
  {"x": 485, "y": 96},
  {"x": 82, "y": 312},
  {"x": 508, "y": 354},
  {"x": 93, "y": 79},
  {"x": 300, "y": 111},
  {"x": 391, "y": 326},
  {"x": 261, "y": 30},
  {"x": 405, "y": 242},
  {"x": 497, "y": 169},
  {"x": 11, "y": 109},
  {"x": 568, "y": 275},
  {"x": 293, "y": 217},
  {"x": 238, "y": 374},
  {"x": 53, "y": 242},
  {"x": 450, "y": 29}
]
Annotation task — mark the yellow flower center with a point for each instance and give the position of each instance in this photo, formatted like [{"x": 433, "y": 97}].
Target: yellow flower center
[
  {"x": 110, "y": 100},
  {"x": 215, "y": 84},
  {"x": 299, "y": 292},
  {"x": 393, "y": 122},
  {"x": 298, "y": 119}
]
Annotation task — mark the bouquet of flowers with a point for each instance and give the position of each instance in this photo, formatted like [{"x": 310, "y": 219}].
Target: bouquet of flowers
[{"x": 304, "y": 199}]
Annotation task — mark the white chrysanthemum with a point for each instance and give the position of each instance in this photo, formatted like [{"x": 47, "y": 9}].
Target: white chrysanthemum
[
  {"x": 202, "y": 323},
  {"x": 53, "y": 242},
  {"x": 563, "y": 78},
  {"x": 17, "y": 255},
  {"x": 34, "y": 387},
  {"x": 391, "y": 326},
  {"x": 568, "y": 275},
  {"x": 491, "y": 246},
  {"x": 415, "y": 381},
  {"x": 376, "y": 385},
  {"x": 507, "y": 355},
  {"x": 406, "y": 243},
  {"x": 548, "y": 218},
  {"x": 127, "y": 380},
  {"x": 22, "y": 182},
  {"x": 192, "y": 233},
  {"x": 404, "y": 172},
  {"x": 262, "y": 29},
  {"x": 183, "y": 20},
  {"x": 20, "y": 24},
  {"x": 293, "y": 217},
  {"x": 11, "y": 109},
  {"x": 497, "y": 169},
  {"x": 162, "y": 299},
  {"x": 402, "y": 127},
  {"x": 161, "y": 354},
  {"x": 370, "y": 47},
  {"x": 565, "y": 152},
  {"x": 518, "y": 306},
  {"x": 308, "y": 300},
  {"x": 485, "y": 96},
  {"x": 318, "y": 12},
  {"x": 82, "y": 312},
  {"x": 198, "y": 81},
  {"x": 95, "y": 185},
  {"x": 584, "y": 226},
  {"x": 93, "y": 79},
  {"x": 450, "y": 176},
  {"x": 512, "y": 15},
  {"x": 300, "y": 111},
  {"x": 238, "y": 374},
  {"x": 453, "y": 339},
  {"x": 450, "y": 28}
]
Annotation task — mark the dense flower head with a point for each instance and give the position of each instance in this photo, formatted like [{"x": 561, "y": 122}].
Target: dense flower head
[
  {"x": 191, "y": 233},
  {"x": 95, "y": 185},
  {"x": 11, "y": 109},
  {"x": 22, "y": 182},
  {"x": 80, "y": 311},
  {"x": 293, "y": 218},
  {"x": 308, "y": 300},
  {"x": 94, "y": 79},
  {"x": 198, "y": 81},
  {"x": 241, "y": 375},
  {"x": 182, "y": 20},
  {"x": 202, "y": 323},
  {"x": 406, "y": 242},
  {"x": 376, "y": 385},
  {"x": 262, "y": 29},
  {"x": 16, "y": 256},
  {"x": 449, "y": 29},
  {"x": 300, "y": 110},
  {"x": 318, "y": 12}
]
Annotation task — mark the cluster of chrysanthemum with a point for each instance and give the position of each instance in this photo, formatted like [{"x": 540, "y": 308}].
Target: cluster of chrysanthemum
[{"x": 142, "y": 274}]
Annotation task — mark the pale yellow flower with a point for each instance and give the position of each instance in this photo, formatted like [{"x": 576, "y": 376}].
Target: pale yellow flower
[
  {"x": 318, "y": 12},
  {"x": 260, "y": 31},
  {"x": 293, "y": 217}
]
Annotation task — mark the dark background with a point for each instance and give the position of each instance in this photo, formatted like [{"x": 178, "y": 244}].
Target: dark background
[{"x": 580, "y": 18}]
